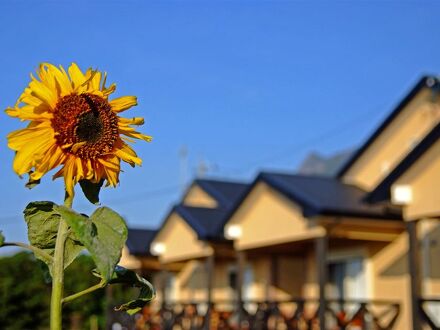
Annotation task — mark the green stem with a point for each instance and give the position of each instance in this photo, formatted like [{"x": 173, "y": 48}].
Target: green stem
[
  {"x": 81, "y": 293},
  {"x": 41, "y": 253},
  {"x": 58, "y": 272}
]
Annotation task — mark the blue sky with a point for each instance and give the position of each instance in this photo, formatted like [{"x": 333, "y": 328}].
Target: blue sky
[{"x": 244, "y": 85}]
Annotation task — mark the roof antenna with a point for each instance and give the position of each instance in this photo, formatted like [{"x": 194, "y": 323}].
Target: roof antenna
[
  {"x": 202, "y": 168},
  {"x": 183, "y": 159}
]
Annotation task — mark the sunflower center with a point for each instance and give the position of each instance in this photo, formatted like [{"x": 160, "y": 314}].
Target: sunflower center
[
  {"x": 85, "y": 125},
  {"x": 89, "y": 127}
]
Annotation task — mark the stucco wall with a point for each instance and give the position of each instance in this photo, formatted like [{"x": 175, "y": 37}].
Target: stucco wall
[
  {"x": 413, "y": 123},
  {"x": 424, "y": 179},
  {"x": 196, "y": 196},
  {"x": 267, "y": 218},
  {"x": 181, "y": 241}
]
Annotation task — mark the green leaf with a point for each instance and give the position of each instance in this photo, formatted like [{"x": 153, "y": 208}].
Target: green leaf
[
  {"x": 43, "y": 220},
  {"x": 2, "y": 238},
  {"x": 146, "y": 294},
  {"x": 103, "y": 234},
  {"x": 91, "y": 190}
]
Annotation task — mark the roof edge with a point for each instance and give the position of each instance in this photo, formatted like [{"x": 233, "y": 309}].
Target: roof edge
[
  {"x": 382, "y": 191},
  {"x": 428, "y": 81}
]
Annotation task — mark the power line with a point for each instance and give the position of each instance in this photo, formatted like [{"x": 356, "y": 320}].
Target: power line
[
  {"x": 287, "y": 152},
  {"x": 144, "y": 195},
  {"x": 135, "y": 197}
]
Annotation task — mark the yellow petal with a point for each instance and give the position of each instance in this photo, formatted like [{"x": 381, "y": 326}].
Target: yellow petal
[
  {"x": 29, "y": 112},
  {"x": 123, "y": 103},
  {"x": 29, "y": 154},
  {"x": 112, "y": 162},
  {"x": 30, "y": 99},
  {"x": 129, "y": 131},
  {"x": 60, "y": 77},
  {"x": 26, "y": 137},
  {"x": 52, "y": 158},
  {"x": 76, "y": 76},
  {"x": 111, "y": 167},
  {"x": 128, "y": 155},
  {"x": 131, "y": 121},
  {"x": 68, "y": 172},
  {"x": 43, "y": 92}
]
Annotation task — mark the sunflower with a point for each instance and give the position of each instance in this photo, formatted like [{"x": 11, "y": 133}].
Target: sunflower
[{"x": 73, "y": 124}]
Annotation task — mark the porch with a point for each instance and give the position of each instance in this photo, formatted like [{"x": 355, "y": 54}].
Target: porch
[{"x": 293, "y": 314}]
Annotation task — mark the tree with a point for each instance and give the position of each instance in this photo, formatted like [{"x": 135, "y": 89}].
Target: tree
[{"x": 25, "y": 294}]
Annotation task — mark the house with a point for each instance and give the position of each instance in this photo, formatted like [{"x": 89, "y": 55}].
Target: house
[
  {"x": 311, "y": 238},
  {"x": 321, "y": 251},
  {"x": 192, "y": 235},
  {"x": 413, "y": 185},
  {"x": 136, "y": 252}
]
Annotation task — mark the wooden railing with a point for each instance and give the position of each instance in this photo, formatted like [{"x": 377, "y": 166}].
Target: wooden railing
[
  {"x": 294, "y": 314},
  {"x": 430, "y": 317}
]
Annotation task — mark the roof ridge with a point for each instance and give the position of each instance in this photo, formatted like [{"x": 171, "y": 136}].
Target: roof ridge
[
  {"x": 381, "y": 191},
  {"x": 429, "y": 81}
]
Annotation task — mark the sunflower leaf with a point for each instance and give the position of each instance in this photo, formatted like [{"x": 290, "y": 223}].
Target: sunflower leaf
[
  {"x": 91, "y": 190},
  {"x": 42, "y": 221},
  {"x": 122, "y": 275},
  {"x": 103, "y": 234}
]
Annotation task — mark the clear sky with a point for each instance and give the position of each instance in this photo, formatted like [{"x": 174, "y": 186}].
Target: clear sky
[{"x": 244, "y": 85}]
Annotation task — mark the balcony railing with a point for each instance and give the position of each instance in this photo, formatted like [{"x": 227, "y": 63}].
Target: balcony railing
[{"x": 294, "y": 314}]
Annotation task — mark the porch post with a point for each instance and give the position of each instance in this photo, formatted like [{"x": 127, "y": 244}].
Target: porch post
[
  {"x": 273, "y": 283},
  {"x": 210, "y": 276},
  {"x": 163, "y": 285},
  {"x": 241, "y": 262},
  {"x": 414, "y": 272},
  {"x": 321, "y": 246}
]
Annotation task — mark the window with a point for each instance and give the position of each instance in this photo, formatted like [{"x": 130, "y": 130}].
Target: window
[{"x": 347, "y": 279}]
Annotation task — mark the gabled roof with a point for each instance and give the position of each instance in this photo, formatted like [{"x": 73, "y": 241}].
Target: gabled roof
[
  {"x": 320, "y": 195},
  {"x": 383, "y": 190},
  {"x": 224, "y": 192},
  {"x": 425, "y": 82},
  {"x": 206, "y": 222},
  {"x": 139, "y": 241}
]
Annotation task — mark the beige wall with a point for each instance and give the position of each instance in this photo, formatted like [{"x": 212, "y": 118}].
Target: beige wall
[
  {"x": 390, "y": 277},
  {"x": 129, "y": 261},
  {"x": 181, "y": 241},
  {"x": 267, "y": 217},
  {"x": 424, "y": 179},
  {"x": 413, "y": 123},
  {"x": 196, "y": 196},
  {"x": 191, "y": 282}
]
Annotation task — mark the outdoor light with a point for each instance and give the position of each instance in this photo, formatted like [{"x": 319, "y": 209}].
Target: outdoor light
[
  {"x": 157, "y": 248},
  {"x": 401, "y": 194},
  {"x": 233, "y": 231}
]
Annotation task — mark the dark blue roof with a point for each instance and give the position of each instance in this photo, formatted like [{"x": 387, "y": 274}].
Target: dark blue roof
[
  {"x": 383, "y": 191},
  {"x": 320, "y": 195},
  {"x": 226, "y": 193},
  {"x": 139, "y": 241},
  {"x": 425, "y": 82},
  {"x": 206, "y": 222}
]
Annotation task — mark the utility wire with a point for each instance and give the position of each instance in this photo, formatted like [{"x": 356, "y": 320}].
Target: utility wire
[
  {"x": 141, "y": 196},
  {"x": 138, "y": 197},
  {"x": 287, "y": 152}
]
